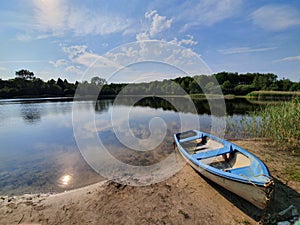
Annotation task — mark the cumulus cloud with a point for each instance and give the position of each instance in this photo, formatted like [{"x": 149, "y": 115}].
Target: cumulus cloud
[
  {"x": 159, "y": 23},
  {"x": 185, "y": 41},
  {"x": 142, "y": 36},
  {"x": 75, "y": 50},
  {"x": 150, "y": 14},
  {"x": 81, "y": 58},
  {"x": 276, "y": 17},
  {"x": 80, "y": 55}
]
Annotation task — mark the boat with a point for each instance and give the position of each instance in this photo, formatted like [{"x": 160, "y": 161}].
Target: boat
[{"x": 227, "y": 165}]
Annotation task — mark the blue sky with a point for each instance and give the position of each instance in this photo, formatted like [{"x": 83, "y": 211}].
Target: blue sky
[{"x": 63, "y": 38}]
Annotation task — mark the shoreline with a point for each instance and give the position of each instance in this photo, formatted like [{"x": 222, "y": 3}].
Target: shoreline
[
  {"x": 171, "y": 202},
  {"x": 184, "y": 198}
]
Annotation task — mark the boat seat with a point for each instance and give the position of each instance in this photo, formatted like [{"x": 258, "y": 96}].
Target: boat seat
[
  {"x": 212, "y": 153},
  {"x": 246, "y": 171}
]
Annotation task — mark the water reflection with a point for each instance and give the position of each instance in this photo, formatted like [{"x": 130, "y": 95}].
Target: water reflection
[
  {"x": 39, "y": 153},
  {"x": 65, "y": 180},
  {"x": 241, "y": 106},
  {"x": 233, "y": 106},
  {"x": 30, "y": 113},
  {"x": 38, "y": 148},
  {"x": 103, "y": 105}
]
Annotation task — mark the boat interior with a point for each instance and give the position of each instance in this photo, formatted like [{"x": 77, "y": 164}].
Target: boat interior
[{"x": 215, "y": 154}]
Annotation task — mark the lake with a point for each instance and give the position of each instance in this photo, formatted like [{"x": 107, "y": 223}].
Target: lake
[{"x": 52, "y": 145}]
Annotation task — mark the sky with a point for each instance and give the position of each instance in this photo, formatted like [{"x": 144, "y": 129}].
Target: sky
[{"x": 70, "y": 39}]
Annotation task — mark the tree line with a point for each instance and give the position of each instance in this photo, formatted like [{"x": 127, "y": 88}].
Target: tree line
[{"x": 25, "y": 84}]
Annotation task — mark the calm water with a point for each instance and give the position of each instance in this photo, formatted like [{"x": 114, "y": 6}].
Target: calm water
[{"x": 39, "y": 152}]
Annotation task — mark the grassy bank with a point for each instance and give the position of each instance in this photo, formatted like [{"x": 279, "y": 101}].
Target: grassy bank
[
  {"x": 280, "y": 123},
  {"x": 255, "y": 96},
  {"x": 274, "y": 95}
]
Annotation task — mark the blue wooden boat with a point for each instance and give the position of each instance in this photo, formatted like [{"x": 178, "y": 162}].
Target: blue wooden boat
[{"x": 228, "y": 165}]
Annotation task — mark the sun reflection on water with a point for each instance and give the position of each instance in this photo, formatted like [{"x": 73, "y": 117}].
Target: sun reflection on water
[{"x": 65, "y": 180}]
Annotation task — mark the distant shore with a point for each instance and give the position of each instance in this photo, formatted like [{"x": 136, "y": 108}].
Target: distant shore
[{"x": 261, "y": 96}]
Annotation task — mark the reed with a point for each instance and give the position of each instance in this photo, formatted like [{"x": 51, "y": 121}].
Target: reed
[
  {"x": 279, "y": 122},
  {"x": 273, "y": 95}
]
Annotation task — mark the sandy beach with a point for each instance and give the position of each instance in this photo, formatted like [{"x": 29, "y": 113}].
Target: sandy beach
[{"x": 185, "y": 198}]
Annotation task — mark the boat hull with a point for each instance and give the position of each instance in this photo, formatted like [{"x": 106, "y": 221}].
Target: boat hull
[
  {"x": 250, "y": 192},
  {"x": 249, "y": 179}
]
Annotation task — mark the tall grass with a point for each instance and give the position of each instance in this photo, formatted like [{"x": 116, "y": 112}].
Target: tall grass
[{"x": 279, "y": 122}]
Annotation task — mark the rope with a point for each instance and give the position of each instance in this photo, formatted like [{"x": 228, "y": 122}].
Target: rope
[
  {"x": 263, "y": 175},
  {"x": 242, "y": 175}
]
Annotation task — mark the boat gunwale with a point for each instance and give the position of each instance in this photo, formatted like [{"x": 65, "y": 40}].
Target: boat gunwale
[{"x": 219, "y": 172}]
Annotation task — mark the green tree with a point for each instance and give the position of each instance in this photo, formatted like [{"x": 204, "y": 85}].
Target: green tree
[
  {"x": 185, "y": 83},
  {"x": 210, "y": 87},
  {"x": 25, "y": 74},
  {"x": 284, "y": 84},
  {"x": 51, "y": 82},
  {"x": 60, "y": 83},
  {"x": 37, "y": 86},
  {"x": 295, "y": 86},
  {"x": 194, "y": 87},
  {"x": 243, "y": 89},
  {"x": 264, "y": 81},
  {"x": 98, "y": 81},
  {"x": 2, "y": 83},
  {"x": 227, "y": 87}
]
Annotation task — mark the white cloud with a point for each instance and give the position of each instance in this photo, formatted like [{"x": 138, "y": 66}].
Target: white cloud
[
  {"x": 81, "y": 59},
  {"x": 208, "y": 12},
  {"x": 244, "y": 50},
  {"x": 291, "y": 58},
  {"x": 59, "y": 63},
  {"x": 87, "y": 59},
  {"x": 30, "y": 37},
  {"x": 134, "y": 55},
  {"x": 142, "y": 36},
  {"x": 80, "y": 55},
  {"x": 150, "y": 14},
  {"x": 59, "y": 16},
  {"x": 188, "y": 41},
  {"x": 73, "y": 69},
  {"x": 75, "y": 51},
  {"x": 82, "y": 22},
  {"x": 158, "y": 23},
  {"x": 50, "y": 15},
  {"x": 276, "y": 17}
]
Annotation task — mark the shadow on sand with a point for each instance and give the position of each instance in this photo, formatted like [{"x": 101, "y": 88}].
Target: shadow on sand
[{"x": 283, "y": 197}]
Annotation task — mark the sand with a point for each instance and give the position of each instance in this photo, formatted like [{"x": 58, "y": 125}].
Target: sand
[{"x": 185, "y": 198}]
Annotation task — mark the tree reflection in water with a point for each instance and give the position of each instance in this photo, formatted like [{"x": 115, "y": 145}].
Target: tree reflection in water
[{"x": 31, "y": 113}]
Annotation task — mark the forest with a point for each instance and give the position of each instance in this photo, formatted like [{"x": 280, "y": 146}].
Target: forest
[{"x": 26, "y": 84}]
